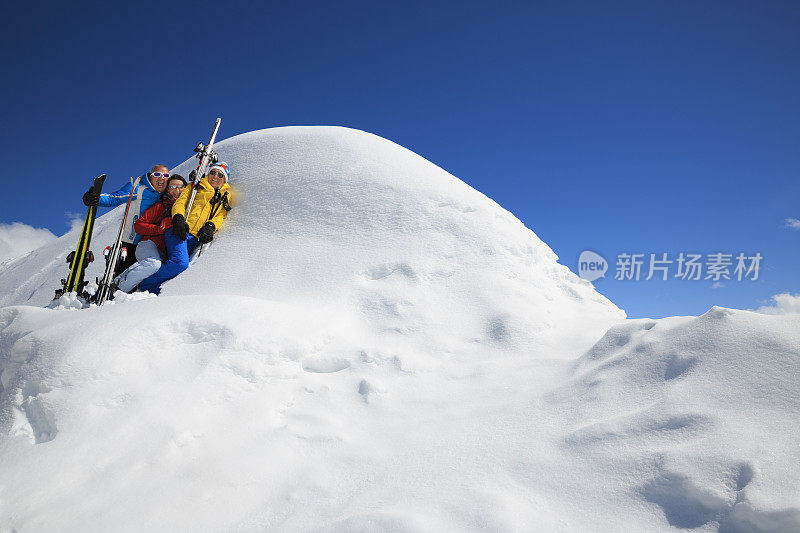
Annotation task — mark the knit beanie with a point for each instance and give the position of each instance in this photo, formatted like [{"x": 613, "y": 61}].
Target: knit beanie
[{"x": 222, "y": 166}]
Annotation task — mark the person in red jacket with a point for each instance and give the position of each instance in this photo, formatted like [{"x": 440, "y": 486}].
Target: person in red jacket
[{"x": 151, "y": 226}]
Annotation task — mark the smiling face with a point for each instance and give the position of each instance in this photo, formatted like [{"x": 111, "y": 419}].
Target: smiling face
[
  {"x": 174, "y": 189},
  {"x": 216, "y": 178},
  {"x": 159, "y": 175}
]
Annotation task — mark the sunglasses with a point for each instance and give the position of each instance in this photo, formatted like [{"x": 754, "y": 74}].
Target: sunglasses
[
  {"x": 159, "y": 175},
  {"x": 216, "y": 173},
  {"x": 176, "y": 186}
]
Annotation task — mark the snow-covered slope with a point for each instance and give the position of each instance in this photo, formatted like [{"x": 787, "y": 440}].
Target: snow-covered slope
[
  {"x": 696, "y": 415},
  {"x": 339, "y": 215},
  {"x": 371, "y": 345}
]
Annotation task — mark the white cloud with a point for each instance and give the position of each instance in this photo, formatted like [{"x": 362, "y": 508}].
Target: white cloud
[
  {"x": 793, "y": 223},
  {"x": 784, "y": 304},
  {"x": 717, "y": 285},
  {"x": 75, "y": 220},
  {"x": 18, "y": 239}
]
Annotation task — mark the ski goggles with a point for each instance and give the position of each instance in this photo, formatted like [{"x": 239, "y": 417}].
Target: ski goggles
[
  {"x": 216, "y": 173},
  {"x": 159, "y": 174},
  {"x": 176, "y": 186}
]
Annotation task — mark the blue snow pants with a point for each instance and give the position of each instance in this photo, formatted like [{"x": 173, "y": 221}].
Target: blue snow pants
[{"x": 178, "y": 252}]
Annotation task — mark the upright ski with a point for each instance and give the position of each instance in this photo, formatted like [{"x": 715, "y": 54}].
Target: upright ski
[
  {"x": 104, "y": 285},
  {"x": 80, "y": 258},
  {"x": 206, "y": 155}
]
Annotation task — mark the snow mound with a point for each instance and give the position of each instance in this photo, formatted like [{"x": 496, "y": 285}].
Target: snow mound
[
  {"x": 335, "y": 214},
  {"x": 701, "y": 411}
]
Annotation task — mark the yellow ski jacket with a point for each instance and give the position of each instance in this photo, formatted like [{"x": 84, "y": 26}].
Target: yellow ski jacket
[{"x": 203, "y": 209}]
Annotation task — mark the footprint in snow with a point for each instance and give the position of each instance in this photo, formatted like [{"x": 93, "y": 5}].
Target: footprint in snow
[
  {"x": 385, "y": 270},
  {"x": 324, "y": 364},
  {"x": 369, "y": 388},
  {"x": 678, "y": 366},
  {"x": 689, "y": 505}
]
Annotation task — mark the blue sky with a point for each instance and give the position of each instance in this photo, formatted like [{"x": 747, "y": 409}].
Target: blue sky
[{"x": 647, "y": 127}]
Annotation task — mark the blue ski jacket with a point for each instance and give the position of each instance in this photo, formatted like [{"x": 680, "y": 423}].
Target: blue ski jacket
[{"x": 143, "y": 197}]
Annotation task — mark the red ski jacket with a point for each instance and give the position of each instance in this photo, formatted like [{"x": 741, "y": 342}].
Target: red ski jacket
[{"x": 154, "y": 222}]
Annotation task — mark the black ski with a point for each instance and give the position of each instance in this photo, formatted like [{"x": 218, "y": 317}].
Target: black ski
[
  {"x": 80, "y": 258},
  {"x": 104, "y": 289}
]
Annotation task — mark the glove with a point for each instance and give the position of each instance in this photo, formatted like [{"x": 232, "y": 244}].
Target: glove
[
  {"x": 206, "y": 233},
  {"x": 192, "y": 176},
  {"x": 179, "y": 226},
  {"x": 91, "y": 198}
]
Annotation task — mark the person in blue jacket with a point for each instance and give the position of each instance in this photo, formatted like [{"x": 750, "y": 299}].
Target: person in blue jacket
[{"x": 147, "y": 193}]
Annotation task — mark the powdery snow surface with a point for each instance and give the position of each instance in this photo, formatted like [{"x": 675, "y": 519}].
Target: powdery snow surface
[
  {"x": 371, "y": 345},
  {"x": 697, "y": 415}
]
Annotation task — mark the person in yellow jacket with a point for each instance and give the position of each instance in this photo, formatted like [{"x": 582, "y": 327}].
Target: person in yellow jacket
[{"x": 211, "y": 205}]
